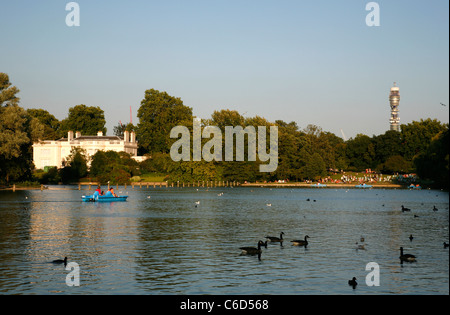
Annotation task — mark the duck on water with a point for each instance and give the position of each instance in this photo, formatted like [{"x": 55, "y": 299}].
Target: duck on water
[
  {"x": 406, "y": 257},
  {"x": 274, "y": 239},
  {"x": 405, "y": 209},
  {"x": 60, "y": 261},
  {"x": 253, "y": 250},
  {"x": 353, "y": 282},
  {"x": 301, "y": 242}
]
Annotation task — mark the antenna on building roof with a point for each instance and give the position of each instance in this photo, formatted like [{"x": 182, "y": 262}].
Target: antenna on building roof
[{"x": 131, "y": 118}]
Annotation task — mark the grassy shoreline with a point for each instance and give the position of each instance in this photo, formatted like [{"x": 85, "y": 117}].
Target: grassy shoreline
[{"x": 330, "y": 185}]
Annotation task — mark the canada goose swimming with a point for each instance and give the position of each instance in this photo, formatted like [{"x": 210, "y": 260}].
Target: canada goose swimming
[
  {"x": 434, "y": 208},
  {"x": 406, "y": 257},
  {"x": 359, "y": 246},
  {"x": 301, "y": 242},
  {"x": 445, "y": 245},
  {"x": 276, "y": 239},
  {"x": 405, "y": 209},
  {"x": 411, "y": 237},
  {"x": 60, "y": 261},
  {"x": 253, "y": 250},
  {"x": 353, "y": 282}
]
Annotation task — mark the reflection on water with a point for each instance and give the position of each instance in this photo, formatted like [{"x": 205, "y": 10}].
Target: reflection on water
[{"x": 169, "y": 244}]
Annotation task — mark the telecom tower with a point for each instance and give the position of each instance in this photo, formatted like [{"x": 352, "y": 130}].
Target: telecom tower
[{"x": 394, "y": 99}]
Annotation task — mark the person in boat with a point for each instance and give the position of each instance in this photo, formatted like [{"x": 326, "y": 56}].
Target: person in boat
[
  {"x": 99, "y": 190},
  {"x": 110, "y": 193}
]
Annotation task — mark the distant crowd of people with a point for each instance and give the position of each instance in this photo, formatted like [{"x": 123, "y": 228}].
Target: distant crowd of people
[
  {"x": 407, "y": 178},
  {"x": 368, "y": 176}
]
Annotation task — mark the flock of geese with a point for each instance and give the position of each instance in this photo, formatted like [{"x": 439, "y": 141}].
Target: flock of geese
[
  {"x": 403, "y": 257},
  {"x": 273, "y": 239},
  {"x": 257, "y": 251},
  {"x": 353, "y": 283}
]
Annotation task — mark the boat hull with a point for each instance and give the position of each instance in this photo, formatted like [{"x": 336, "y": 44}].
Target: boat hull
[
  {"x": 103, "y": 198},
  {"x": 318, "y": 185},
  {"x": 363, "y": 186}
]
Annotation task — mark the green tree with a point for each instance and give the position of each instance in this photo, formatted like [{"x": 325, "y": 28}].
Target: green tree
[
  {"x": 15, "y": 144},
  {"x": 433, "y": 164},
  {"x": 396, "y": 164},
  {"x": 75, "y": 166},
  {"x": 158, "y": 114},
  {"x": 315, "y": 142},
  {"x": 314, "y": 166},
  {"x": 86, "y": 119},
  {"x": 360, "y": 153},
  {"x": 226, "y": 117},
  {"x": 49, "y": 123},
  {"x": 18, "y": 131},
  {"x": 8, "y": 93},
  {"x": 387, "y": 145},
  {"x": 121, "y": 128},
  {"x": 115, "y": 167},
  {"x": 289, "y": 138},
  {"x": 78, "y": 163},
  {"x": 52, "y": 176},
  {"x": 416, "y": 136}
]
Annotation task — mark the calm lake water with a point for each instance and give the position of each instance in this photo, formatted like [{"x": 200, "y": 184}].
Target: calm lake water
[{"x": 160, "y": 242}]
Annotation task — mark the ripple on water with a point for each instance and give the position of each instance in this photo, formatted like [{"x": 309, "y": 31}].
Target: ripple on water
[{"x": 166, "y": 245}]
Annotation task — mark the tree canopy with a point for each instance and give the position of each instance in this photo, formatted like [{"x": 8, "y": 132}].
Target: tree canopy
[
  {"x": 8, "y": 93},
  {"x": 17, "y": 131},
  {"x": 158, "y": 114},
  {"x": 308, "y": 153},
  {"x": 50, "y": 124},
  {"x": 86, "y": 119}
]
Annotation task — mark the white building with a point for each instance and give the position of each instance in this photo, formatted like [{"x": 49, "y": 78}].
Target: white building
[{"x": 54, "y": 153}]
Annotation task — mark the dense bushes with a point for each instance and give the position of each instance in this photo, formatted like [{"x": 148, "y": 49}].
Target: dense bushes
[{"x": 113, "y": 167}]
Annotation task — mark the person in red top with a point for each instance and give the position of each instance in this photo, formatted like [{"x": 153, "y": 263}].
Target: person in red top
[{"x": 99, "y": 190}]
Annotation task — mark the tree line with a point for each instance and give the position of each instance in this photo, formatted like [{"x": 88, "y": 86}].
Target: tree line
[{"x": 308, "y": 153}]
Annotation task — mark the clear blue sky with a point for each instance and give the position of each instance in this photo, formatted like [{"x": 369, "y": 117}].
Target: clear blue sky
[{"x": 312, "y": 62}]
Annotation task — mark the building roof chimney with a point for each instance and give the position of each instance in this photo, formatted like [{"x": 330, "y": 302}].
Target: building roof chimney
[{"x": 100, "y": 134}]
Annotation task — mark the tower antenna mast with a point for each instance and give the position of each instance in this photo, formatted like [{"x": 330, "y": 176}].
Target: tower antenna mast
[{"x": 394, "y": 100}]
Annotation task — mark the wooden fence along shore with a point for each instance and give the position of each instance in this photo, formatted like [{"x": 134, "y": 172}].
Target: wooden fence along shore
[
  {"x": 168, "y": 184},
  {"x": 140, "y": 185}
]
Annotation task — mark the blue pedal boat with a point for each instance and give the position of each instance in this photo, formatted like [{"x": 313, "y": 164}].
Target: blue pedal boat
[
  {"x": 363, "y": 186},
  {"x": 318, "y": 185},
  {"x": 98, "y": 198}
]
